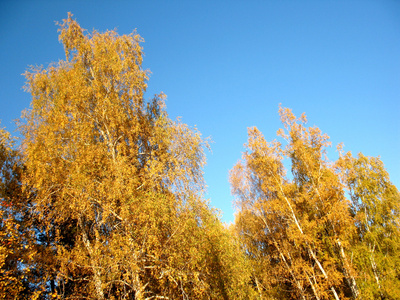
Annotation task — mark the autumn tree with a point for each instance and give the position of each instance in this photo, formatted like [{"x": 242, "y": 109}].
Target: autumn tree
[
  {"x": 117, "y": 184},
  {"x": 17, "y": 240},
  {"x": 296, "y": 229},
  {"x": 10, "y": 277},
  {"x": 375, "y": 206}
]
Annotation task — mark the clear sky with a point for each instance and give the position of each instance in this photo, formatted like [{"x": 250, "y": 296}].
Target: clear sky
[{"x": 226, "y": 65}]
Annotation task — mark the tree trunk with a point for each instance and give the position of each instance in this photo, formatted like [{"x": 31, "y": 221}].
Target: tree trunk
[
  {"x": 95, "y": 268},
  {"x": 346, "y": 269},
  {"x": 310, "y": 250},
  {"x": 297, "y": 283}
]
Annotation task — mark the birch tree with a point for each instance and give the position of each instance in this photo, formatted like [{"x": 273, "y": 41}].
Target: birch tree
[
  {"x": 375, "y": 205},
  {"x": 296, "y": 228},
  {"x": 18, "y": 248},
  {"x": 118, "y": 185}
]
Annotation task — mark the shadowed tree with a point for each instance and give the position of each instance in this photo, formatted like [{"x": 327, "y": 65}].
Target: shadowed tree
[{"x": 18, "y": 248}]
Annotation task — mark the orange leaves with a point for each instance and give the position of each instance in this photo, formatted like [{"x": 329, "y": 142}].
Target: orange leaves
[
  {"x": 376, "y": 208},
  {"x": 297, "y": 220},
  {"x": 16, "y": 249},
  {"x": 116, "y": 194},
  {"x": 117, "y": 184}
]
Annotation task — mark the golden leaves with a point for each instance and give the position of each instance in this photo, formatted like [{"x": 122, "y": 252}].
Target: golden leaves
[
  {"x": 117, "y": 184},
  {"x": 295, "y": 220}
]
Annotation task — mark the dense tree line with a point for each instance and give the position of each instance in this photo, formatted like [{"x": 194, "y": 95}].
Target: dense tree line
[
  {"x": 103, "y": 198},
  {"x": 324, "y": 230}
]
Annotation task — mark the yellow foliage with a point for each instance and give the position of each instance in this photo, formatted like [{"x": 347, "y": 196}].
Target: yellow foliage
[
  {"x": 117, "y": 184},
  {"x": 293, "y": 230}
]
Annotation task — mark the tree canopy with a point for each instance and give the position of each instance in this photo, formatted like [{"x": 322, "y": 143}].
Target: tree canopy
[
  {"x": 117, "y": 185},
  {"x": 318, "y": 232},
  {"x": 103, "y": 198}
]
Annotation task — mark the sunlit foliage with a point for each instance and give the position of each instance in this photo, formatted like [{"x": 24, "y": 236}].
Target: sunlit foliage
[
  {"x": 375, "y": 206},
  {"x": 296, "y": 229},
  {"x": 104, "y": 198},
  {"x": 117, "y": 184}
]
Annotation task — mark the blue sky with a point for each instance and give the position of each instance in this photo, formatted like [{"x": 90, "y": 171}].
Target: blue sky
[{"x": 226, "y": 65}]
